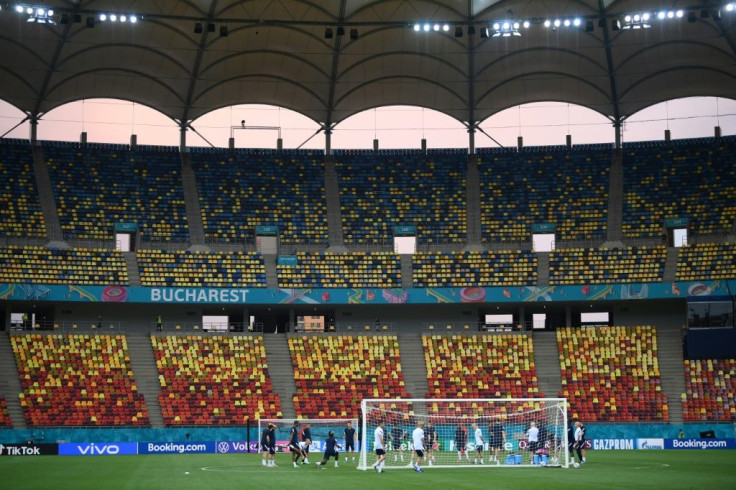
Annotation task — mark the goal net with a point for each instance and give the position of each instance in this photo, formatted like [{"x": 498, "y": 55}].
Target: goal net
[
  {"x": 468, "y": 432},
  {"x": 319, "y": 429}
]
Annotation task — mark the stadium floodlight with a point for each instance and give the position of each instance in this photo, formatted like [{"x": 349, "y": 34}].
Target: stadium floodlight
[
  {"x": 29, "y": 10},
  {"x": 636, "y": 21},
  {"x": 436, "y": 27},
  {"x": 557, "y": 22},
  {"x": 417, "y": 28},
  {"x": 36, "y": 15},
  {"x": 577, "y": 22},
  {"x": 506, "y": 28},
  {"x": 133, "y": 19},
  {"x": 427, "y": 27},
  {"x": 567, "y": 22},
  {"x": 547, "y": 23},
  {"x": 123, "y": 18},
  {"x": 526, "y": 24},
  {"x": 679, "y": 14},
  {"x": 496, "y": 26},
  {"x": 670, "y": 15},
  {"x": 661, "y": 15},
  {"x": 445, "y": 27},
  {"x": 103, "y": 17},
  {"x": 729, "y": 7},
  {"x": 113, "y": 17},
  {"x": 19, "y": 9}
]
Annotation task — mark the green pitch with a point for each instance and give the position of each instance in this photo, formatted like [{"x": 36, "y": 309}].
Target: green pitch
[{"x": 605, "y": 469}]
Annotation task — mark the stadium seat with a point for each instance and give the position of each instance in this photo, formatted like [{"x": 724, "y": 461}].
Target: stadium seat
[
  {"x": 380, "y": 190},
  {"x": 340, "y": 270},
  {"x": 214, "y": 380},
  {"x": 710, "y": 386},
  {"x": 474, "y": 269},
  {"x": 77, "y": 380},
  {"x": 20, "y": 207},
  {"x": 4, "y": 415},
  {"x": 607, "y": 266},
  {"x": 706, "y": 261},
  {"x": 480, "y": 366},
  {"x": 611, "y": 374},
  {"x": 198, "y": 269},
  {"x": 334, "y": 373},
  {"x": 568, "y": 188}
]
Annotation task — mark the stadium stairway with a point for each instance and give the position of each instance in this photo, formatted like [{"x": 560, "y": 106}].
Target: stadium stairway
[
  {"x": 547, "y": 362},
  {"x": 542, "y": 268},
  {"x": 670, "y": 264},
  {"x": 10, "y": 382},
  {"x": 131, "y": 264},
  {"x": 671, "y": 369},
  {"x": 332, "y": 200},
  {"x": 407, "y": 273},
  {"x": 414, "y": 367},
  {"x": 281, "y": 371},
  {"x": 472, "y": 201},
  {"x": 46, "y": 195},
  {"x": 615, "y": 218},
  {"x": 191, "y": 201},
  {"x": 146, "y": 374},
  {"x": 269, "y": 264}
]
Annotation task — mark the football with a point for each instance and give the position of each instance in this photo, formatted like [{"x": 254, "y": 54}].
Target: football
[{"x": 576, "y": 465}]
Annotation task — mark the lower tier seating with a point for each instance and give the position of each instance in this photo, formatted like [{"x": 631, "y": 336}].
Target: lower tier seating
[
  {"x": 612, "y": 374},
  {"x": 215, "y": 380},
  {"x": 77, "y": 380},
  {"x": 334, "y": 373},
  {"x": 710, "y": 390},
  {"x": 480, "y": 366},
  {"x": 4, "y": 415}
]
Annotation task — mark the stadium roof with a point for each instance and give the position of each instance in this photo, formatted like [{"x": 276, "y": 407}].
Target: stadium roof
[{"x": 279, "y": 52}]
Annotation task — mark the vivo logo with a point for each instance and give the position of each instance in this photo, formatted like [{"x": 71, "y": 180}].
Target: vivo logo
[{"x": 94, "y": 449}]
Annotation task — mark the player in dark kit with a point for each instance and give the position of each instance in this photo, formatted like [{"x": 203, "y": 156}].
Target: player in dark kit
[
  {"x": 268, "y": 446},
  {"x": 331, "y": 446},
  {"x": 497, "y": 440},
  {"x": 430, "y": 435},
  {"x": 397, "y": 436},
  {"x": 306, "y": 442},
  {"x": 349, "y": 441},
  {"x": 461, "y": 442},
  {"x": 294, "y": 446}
]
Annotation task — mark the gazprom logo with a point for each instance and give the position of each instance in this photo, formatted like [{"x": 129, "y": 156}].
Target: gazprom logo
[{"x": 650, "y": 443}]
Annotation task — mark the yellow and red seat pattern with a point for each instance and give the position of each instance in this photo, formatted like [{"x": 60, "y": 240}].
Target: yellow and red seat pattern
[
  {"x": 480, "y": 366},
  {"x": 77, "y": 380},
  {"x": 216, "y": 380},
  {"x": 612, "y": 373},
  {"x": 4, "y": 415},
  {"x": 334, "y": 373},
  {"x": 711, "y": 390}
]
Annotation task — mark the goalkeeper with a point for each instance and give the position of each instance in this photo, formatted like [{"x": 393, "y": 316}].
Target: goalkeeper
[{"x": 331, "y": 446}]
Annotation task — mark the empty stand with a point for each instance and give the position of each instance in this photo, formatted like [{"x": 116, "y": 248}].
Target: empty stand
[
  {"x": 693, "y": 179},
  {"x": 544, "y": 185},
  {"x": 217, "y": 380},
  {"x": 381, "y": 190},
  {"x": 201, "y": 269},
  {"x": 77, "y": 380},
  {"x": 239, "y": 190},
  {"x": 100, "y": 185},
  {"x": 471, "y": 269},
  {"x": 479, "y": 366},
  {"x": 340, "y": 270},
  {"x": 607, "y": 266},
  {"x": 334, "y": 373},
  {"x": 612, "y": 374},
  {"x": 706, "y": 261},
  {"x": 20, "y": 208},
  {"x": 710, "y": 390},
  {"x": 4, "y": 415},
  {"x": 76, "y": 266}
]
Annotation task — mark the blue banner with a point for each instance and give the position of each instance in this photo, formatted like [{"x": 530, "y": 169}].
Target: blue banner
[
  {"x": 344, "y": 296},
  {"x": 729, "y": 443},
  {"x": 223, "y": 447},
  {"x": 176, "y": 447},
  {"x": 97, "y": 448}
]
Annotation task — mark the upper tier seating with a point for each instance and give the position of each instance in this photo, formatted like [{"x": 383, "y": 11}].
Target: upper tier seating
[
  {"x": 379, "y": 191},
  {"x": 693, "y": 179},
  {"x": 566, "y": 187},
  {"x": 193, "y": 269},
  {"x": 705, "y": 261},
  {"x": 214, "y": 380},
  {"x": 612, "y": 374},
  {"x": 20, "y": 207},
  {"x": 4, "y": 415},
  {"x": 241, "y": 190},
  {"x": 77, "y": 380},
  {"x": 334, "y": 373},
  {"x": 102, "y": 185},
  {"x": 341, "y": 270},
  {"x": 607, "y": 266},
  {"x": 711, "y": 390},
  {"x": 470, "y": 269},
  {"x": 56, "y": 266},
  {"x": 480, "y": 366}
]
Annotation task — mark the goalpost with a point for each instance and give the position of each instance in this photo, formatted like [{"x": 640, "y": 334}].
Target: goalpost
[
  {"x": 451, "y": 424},
  {"x": 319, "y": 429}
]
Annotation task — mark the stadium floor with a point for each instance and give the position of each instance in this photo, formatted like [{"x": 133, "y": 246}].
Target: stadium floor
[{"x": 605, "y": 469}]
